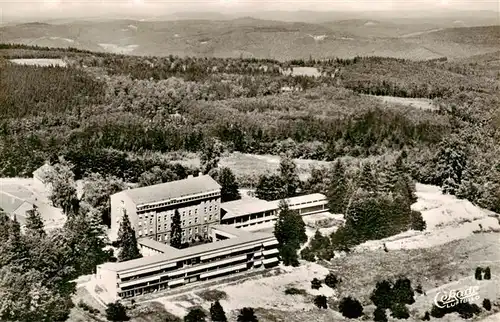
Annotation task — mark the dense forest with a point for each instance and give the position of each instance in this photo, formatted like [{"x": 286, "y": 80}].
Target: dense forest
[{"x": 113, "y": 114}]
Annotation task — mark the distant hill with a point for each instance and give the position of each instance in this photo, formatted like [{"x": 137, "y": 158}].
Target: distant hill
[{"x": 251, "y": 37}]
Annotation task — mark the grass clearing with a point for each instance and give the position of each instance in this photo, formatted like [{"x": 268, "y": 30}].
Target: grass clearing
[{"x": 431, "y": 267}]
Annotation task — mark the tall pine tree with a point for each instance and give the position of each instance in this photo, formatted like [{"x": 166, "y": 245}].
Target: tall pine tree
[
  {"x": 127, "y": 241},
  {"x": 34, "y": 222},
  {"x": 289, "y": 176},
  {"x": 367, "y": 180},
  {"x": 227, "y": 180},
  {"x": 290, "y": 231},
  {"x": 338, "y": 189},
  {"x": 176, "y": 230}
]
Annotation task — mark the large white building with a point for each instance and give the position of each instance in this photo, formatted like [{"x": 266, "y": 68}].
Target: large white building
[
  {"x": 232, "y": 251},
  {"x": 151, "y": 208},
  {"x": 249, "y": 212}
]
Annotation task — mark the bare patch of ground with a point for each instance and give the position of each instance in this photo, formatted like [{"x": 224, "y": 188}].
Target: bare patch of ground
[
  {"x": 39, "y": 62},
  {"x": 420, "y": 103}
]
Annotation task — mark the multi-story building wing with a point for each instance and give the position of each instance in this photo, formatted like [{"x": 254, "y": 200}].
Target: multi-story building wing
[
  {"x": 232, "y": 251},
  {"x": 151, "y": 208},
  {"x": 249, "y": 212}
]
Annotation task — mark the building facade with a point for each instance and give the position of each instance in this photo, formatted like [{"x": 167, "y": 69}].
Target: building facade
[
  {"x": 249, "y": 212},
  {"x": 232, "y": 251},
  {"x": 150, "y": 209}
]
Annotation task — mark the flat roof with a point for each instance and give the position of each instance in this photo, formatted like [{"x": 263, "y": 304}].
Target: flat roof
[
  {"x": 172, "y": 190},
  {"x": 301, "y": 199},
  {"x": 243, "y": 238},
  {"x": 161, "y": 247},
  {"x": 247, "y": 206}
]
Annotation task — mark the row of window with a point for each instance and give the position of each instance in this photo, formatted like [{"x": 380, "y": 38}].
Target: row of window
[
  {"x": 174, "y": 201},
  {"x": 166, "y": 236},
  {"x": 165, "y": 217},
  {"x": 304, "y": 203},
  {"x": 167, "y": 225}
]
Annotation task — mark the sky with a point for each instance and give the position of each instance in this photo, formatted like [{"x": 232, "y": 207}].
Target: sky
[{"x": 59, "y": 8}]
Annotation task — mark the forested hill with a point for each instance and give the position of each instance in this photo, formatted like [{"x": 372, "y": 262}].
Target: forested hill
[{"x": 119, "y": 115}]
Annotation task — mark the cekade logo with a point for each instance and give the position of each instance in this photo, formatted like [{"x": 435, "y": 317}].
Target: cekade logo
[{"x": 454, "y": 297}]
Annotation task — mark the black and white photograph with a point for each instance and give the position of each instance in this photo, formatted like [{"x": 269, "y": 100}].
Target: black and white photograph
[{"x": 249, "y": 160}]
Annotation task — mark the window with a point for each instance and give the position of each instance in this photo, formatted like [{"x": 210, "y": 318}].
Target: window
[
  {"x": 151, "y": 221},
  {"x": 151, "y": 231},
  {"x": 196, "y": 211},
  {"x": 159, "y": 237},
  {"x": 205, "y": 228},
  {"x": 195, "y": 220},
  {"x": 190, "y": 231},
  {"x": 165, "y": 218},
  {"x": 210, "y": 217},
  {"x": 183, "y": 233},
  {"x": 183, "y": 223},
  {"x": 166, "y": 226},
  {"x": 190, "y": 212},
  {"x": 195, "y": 230},
  {"x": 190, "y": 223},
  {"x": 210, "y": 209}
]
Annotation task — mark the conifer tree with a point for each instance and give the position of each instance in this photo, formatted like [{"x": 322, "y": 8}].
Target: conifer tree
[
  {"x": 487, "y": 273},
  {"x": 290, "y": 231},
  {"x": 270, "y": 187},
  {"x": 289, "y": 176},
  {"x": 34, "y": 222},
  {"x": 217, "y": 312},
  {"x": 176, "y": 230},
  {"x": 227, "y": 180},
  {"x": 127, "y": 241},
  {"x": 338, "y": 189},
  {"x": 367, "y": 180}
]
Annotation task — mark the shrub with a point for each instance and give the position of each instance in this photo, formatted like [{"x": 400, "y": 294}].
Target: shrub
[
  {"x": 487, "y": 304},
  {"x": 350, "y": 308},
  {"x": 247, "y": 314},
  {"x": 213, "y": 295},
  {"x": 295, "y": 291},
  {"x": 379, "y": 315},
  {"x": 321, "y": 302},
  {"x": 83, "y": 306},
  {"x": 195, "y": 315},
  {"x": 487, "y": 273},
  {"x": 400, "y": 311},
  {"x": 331, "y": 280},
  {"x": 419, "y": 289},
  {"x": 427, "y": 316},
  {"x": 315, "y": 284},
  {"x": 308, "y": 255},
  {"x": 478, "y": 273},
  {"x": 116, "y": 312}
]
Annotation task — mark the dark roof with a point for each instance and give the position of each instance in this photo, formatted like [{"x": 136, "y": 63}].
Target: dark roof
[{"x": 172, "y": 190}]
